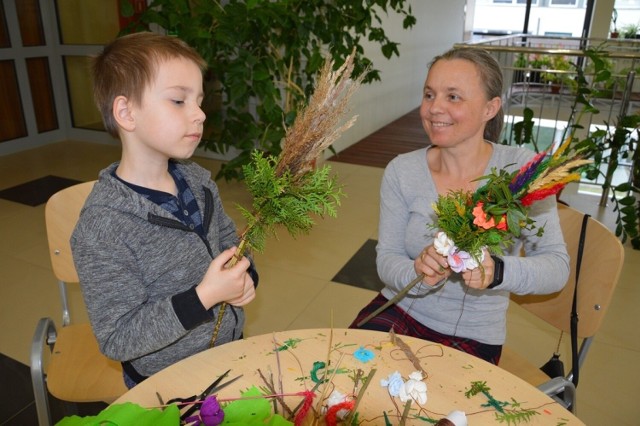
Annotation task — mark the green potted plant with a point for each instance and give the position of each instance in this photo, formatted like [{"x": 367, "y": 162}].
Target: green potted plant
[
  {"x": 538, "y": 64},
  {"x": 614, "y": 18},
  {"x": 520, "y": 68},
  {"x": 630, "y": 31},
  {"x": 558, "y": 73},
  {"x": 263, "y": 58}
]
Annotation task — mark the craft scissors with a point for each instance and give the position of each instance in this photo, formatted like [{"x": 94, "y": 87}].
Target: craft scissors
[{"x": 213, "y": 387}]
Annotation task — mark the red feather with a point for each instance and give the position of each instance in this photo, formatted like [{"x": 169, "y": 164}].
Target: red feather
[{"x": 541, "y": 194}]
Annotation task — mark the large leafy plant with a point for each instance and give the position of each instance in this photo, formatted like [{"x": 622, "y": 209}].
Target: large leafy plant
[
  {"x": 263, "y": 59},
  {"x": 606, "y": 145}
]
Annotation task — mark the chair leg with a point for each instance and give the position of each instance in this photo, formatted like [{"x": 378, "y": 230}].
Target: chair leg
[
  {"x": 560, "y": 384},
  {"x": 45, "y": 334}
]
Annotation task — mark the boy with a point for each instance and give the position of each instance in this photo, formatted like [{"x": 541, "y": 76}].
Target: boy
[{"x": 153, "y": 239}]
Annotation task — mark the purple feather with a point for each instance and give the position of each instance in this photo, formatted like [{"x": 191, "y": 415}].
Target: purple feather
[{"x": 527, "y": 173}]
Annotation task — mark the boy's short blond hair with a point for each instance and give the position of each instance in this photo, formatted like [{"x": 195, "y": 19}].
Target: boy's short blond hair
[{"x": 129, "y": 64}]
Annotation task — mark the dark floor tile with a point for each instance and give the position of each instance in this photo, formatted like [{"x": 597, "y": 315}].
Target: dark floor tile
[
  {"x": 17, "y": 407},
  {"x": 15, "y": 388},
  {"x": 360, "y": 270},
  {"x": 37, "y": 191},
  {"x": 26, "y": 417},
  {"x": 60, "y": 409}
]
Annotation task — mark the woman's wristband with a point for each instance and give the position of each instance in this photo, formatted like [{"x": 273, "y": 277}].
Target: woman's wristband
[{"x": 498, "y": 271}]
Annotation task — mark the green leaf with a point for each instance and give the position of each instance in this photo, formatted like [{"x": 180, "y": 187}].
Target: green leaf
[
  {"x": 127, "y": 414},
  {"x": 126, "y": 8},
  {"x": 627, "y": 201},
  {"x": 389, "y": 49}
]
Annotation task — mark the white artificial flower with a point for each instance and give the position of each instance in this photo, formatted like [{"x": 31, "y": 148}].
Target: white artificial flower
[
  {"x": 394, "y": 383},
  {"x": 414, "y": 388},
  {"x": 416, "y": 375},
  {"x": 458, "y": 418},
  {"x": 471, "y": 263},
  {"x": 443, "y": 244}
]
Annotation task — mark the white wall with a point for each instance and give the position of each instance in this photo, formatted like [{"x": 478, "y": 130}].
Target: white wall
[{"x": 439, "y": 25}]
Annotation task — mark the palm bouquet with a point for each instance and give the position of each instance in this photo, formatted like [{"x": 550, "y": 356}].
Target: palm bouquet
[
  {"x": 288, "y": 189},
  {"x": 496, "y": 213}
]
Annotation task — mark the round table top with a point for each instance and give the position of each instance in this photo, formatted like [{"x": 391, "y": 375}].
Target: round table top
[{"x": 292, "y": 361}]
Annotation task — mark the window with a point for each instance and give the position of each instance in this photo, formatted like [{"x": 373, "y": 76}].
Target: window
[
  {"x": 563, "y": 2},
  {"x": 522, "y": 2}
]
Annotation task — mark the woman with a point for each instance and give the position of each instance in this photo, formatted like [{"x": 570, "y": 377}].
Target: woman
[{"x": 461, "y": 112}]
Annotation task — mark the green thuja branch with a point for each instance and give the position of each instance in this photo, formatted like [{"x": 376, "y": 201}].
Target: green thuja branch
[
  {"x": 285, "y": 200},
  {"x": 513, "y": 415},
  {"x": 481, "y": 387}
]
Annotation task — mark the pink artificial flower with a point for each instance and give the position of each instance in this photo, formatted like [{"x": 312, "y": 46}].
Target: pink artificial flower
[{"x": 457, "y": 260}]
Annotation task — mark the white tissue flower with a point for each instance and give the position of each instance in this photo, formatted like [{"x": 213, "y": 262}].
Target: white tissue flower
[
  {"x": 394, "y": 383},
  {"x": 458, "y": 418},
  {"x": 472, "y": 263},
  {"x": 414, "y": 388},
  {"x": 443, "y": 244}
]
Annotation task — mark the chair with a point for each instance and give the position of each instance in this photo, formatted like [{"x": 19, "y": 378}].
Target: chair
[
  {"x": 75, "y": 369},
  {"x": 602, "y": 260}
]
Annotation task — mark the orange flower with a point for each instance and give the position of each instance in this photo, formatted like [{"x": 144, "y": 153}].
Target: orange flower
[{"x": 481, "y": 219}]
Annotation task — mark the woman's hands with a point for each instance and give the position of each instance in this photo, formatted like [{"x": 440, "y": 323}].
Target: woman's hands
[
  {"x": 482, "y": 276},
  {"x": 232, "y": 284},
  {"x": 436, "y": 268}
]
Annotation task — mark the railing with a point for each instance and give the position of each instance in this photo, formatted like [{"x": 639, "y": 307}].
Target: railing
[{"x": 538, "y": 76}]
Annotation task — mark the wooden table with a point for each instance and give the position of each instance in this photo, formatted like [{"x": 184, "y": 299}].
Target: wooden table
[{"x": 289, "y": 356}]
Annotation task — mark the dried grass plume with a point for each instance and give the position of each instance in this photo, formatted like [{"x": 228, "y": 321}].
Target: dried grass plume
[{"x": 317, "y": 125}]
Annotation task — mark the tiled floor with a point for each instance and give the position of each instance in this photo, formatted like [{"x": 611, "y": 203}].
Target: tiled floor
[{"x": 298, "y": 289}]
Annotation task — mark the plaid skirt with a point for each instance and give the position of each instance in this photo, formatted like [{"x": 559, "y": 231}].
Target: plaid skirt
[{"x": 403, "y": 323}]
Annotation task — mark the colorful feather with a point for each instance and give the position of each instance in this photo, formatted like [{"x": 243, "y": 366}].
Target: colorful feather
[
  {"x": 527, "y": 173},
  {"x": 558, "y": 174},
  {"x": 541, "y": 194},
  {"x": 562, "y": 148}
]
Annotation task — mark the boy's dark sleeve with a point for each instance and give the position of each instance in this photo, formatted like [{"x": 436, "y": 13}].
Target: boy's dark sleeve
[{"x": 189, "y": 309}]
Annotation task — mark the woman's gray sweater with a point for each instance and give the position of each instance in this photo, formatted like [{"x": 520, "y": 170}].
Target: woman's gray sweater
[
  {"x": 138, "y": 268},
  {"x": 407, "y": 194}
]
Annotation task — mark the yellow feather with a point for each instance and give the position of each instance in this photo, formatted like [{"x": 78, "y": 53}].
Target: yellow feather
[
  {"x": 558, "y": 175},
  {"x": 562, "y": 147},
  {"x": 571, "y": 177}
]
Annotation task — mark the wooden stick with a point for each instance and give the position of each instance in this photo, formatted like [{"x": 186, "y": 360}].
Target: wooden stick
[{"x": 397, "y": 298}]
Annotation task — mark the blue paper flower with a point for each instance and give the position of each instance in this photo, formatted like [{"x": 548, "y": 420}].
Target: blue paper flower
[{"x": 363, "y": 355}]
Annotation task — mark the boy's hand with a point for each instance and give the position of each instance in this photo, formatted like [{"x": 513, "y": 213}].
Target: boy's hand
[{"x": 232, "y": 284}]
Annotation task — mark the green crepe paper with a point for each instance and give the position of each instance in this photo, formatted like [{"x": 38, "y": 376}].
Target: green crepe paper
[
  {"x": 127, "y": 414},
  {"x": 253, "y": 411}
]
